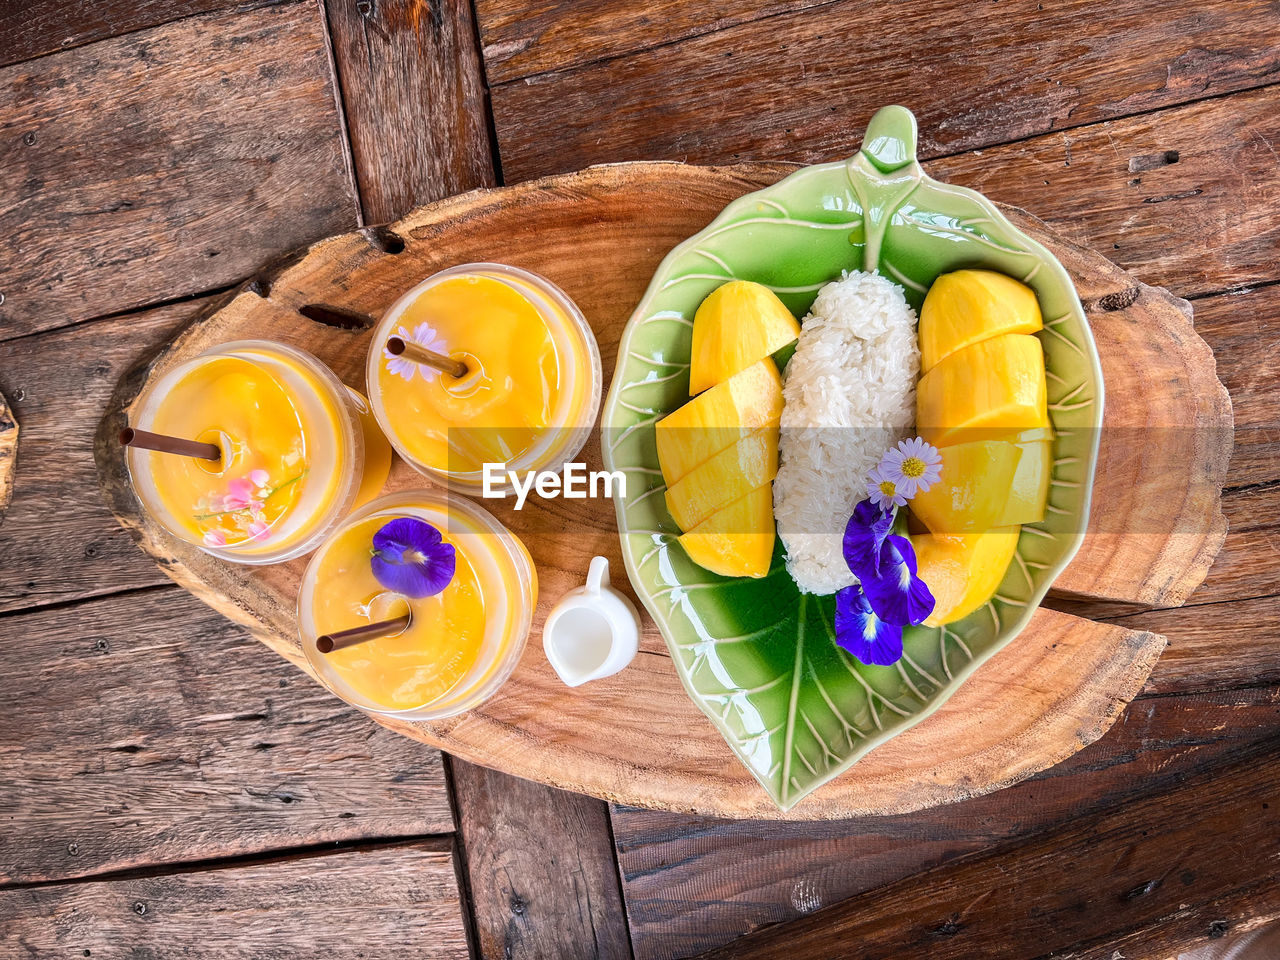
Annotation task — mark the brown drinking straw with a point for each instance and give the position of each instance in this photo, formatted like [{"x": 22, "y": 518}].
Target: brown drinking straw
[
  {"x": 370, "y": 631},
  {"x": 162, "y": 444},
  {"x": 398, "y": 346}
]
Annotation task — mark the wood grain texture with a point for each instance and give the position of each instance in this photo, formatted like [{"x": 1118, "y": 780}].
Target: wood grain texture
[
  {"x": 1156, "y": 525},
  {"x": 1187, "y": 198},
  {"x": 413, "y": 92},
  {"x": 802, "y": 87},
  {"x": 1239, "y": 329},
  {"x": 663, "y": 753},
  {"x": 213, "y": 146},
  {"x": 368, "y": 903},
  {"x": 8, "y": 454},
  {"x": 1182, "y": 866},
  {"x": 1244, "y": 568},
  {"x": 1205, "y": 648},
  {"x": 59, "y": 541},
  {"x": 145, "y": 729},
  {"x": 33, "y": 28},
  {"x": 544, "y": 882},
  {"x": 522, "y": 38},
  {"x": 693, "y": 884}
]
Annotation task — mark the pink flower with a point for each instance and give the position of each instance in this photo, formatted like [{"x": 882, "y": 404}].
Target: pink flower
[
  {"x": 259, "y": 477},
  {"x": 240, "y": 495},
  {"x": 259, "y": 530},
  {"x": 215, "y": 538}
]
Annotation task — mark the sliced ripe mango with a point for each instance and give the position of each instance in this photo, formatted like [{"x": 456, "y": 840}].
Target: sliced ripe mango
[
  {"x": 1030, "y": 488},
  {"x": 736, "y": 541},
  {"x": 963, "y": 570},
  {"x": 966, "y": 306},
  {"x": 973, "y": 492},
  {"x": 739, "y": 324},
  {"x": 995, "y": 385},
  {"x": 1029, "y": 436},
  {"x": 718, "y": 418},
  {"x": 728, "y": 475}
]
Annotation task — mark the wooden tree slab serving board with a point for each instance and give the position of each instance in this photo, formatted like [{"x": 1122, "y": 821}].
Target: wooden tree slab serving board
[{"x": 636, "y": 738}]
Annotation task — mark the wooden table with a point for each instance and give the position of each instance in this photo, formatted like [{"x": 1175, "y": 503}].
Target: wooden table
[{"x": 169, "y": 787}]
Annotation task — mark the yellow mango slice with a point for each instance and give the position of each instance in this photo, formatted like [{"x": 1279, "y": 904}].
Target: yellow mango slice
[
  {"x": 994, "y": 385},
  {"x": 1030, "y": 436},
  {"x": 736, "y": 541},
  {"x": 730, "y": 474},
  {"x": 1029, "y": 490},
  {"x": 739, "y": 324},
  {"x": 973, "y": 492},
  {"x": 963, "y": 570},
  {"x": 966, "y": 306},
  {"x": 718, "y": 418}
]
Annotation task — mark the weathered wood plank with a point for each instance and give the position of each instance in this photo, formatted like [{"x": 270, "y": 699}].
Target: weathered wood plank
[
  {"x": 59, "y": 541},
  {"x": 522, "y": 38},
  {"x": 382, "y": 902},
  {"x": 1147, "y": 55},
  {"x": 1215, "y": 646},
  {"x": 801, "y": 87},
  {"x": 416, "y": 107},
  {"x": 1160, "y": 874},
  {"x": 214, "y": 144},
  {"x": 1247, "y": 565},
  {"x": 36, "y": 27},
  {"x": 1209, "y": 168},
  {"x": 145, "y": 728},
  {"x": 1185, "y": 198},
  {"x": 692, "y": 884},
  {"x": 544, "y": 882},
  {"x": 1240, "y": 328}
]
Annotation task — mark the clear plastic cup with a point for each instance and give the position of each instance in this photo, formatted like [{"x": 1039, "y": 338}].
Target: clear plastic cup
[
  {"x": 449, "y": 659},
  {"x": 232, "y": 508},
  {"x": 409, "y": 410}
]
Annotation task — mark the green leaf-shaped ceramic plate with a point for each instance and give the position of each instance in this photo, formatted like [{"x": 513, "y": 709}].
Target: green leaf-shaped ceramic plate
[{"x": 758, "y": 656}]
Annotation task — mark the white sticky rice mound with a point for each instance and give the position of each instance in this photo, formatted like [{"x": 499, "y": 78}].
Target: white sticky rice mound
[{"x": 849, "y": 394}]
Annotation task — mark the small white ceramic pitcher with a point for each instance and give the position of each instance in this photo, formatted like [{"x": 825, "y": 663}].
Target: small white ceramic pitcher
[{"x": 593, "y": 632}]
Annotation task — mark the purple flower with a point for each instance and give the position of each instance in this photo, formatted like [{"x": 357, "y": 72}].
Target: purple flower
[
  {"x": 895, "y": 593},
  {"x": 411, "y": 557},
  {"x": 861, "y": 632},
  {"x": 864, "y": 537}
]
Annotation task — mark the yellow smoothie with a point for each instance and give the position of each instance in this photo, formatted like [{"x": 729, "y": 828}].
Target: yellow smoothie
[
  {"x": 265, "y": 465},
  {"x": 532, "y": 386},
  {"x": 461, "y": 643},
  {"x": 299, "y": 451}
]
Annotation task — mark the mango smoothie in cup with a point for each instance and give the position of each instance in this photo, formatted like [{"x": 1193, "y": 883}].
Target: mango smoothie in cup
[
  {"x": 526, "y": 389},
  {"x": 297, "y": 451},
  {"x": 450, "y": 592}
]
